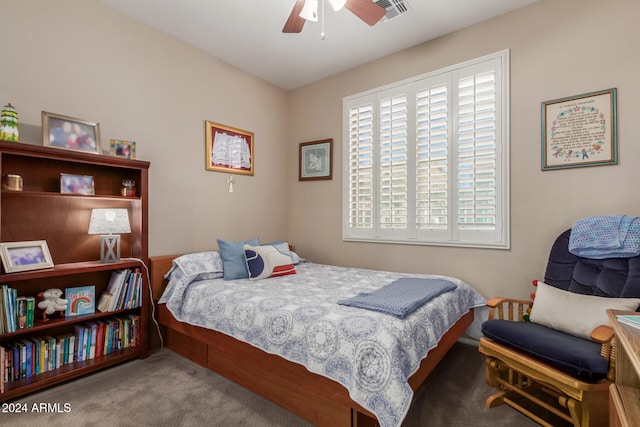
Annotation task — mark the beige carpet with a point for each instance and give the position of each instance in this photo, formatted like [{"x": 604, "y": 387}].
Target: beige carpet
[{"x": 168, "y": 390}]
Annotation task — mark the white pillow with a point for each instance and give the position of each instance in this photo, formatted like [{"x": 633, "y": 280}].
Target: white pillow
[
  {"x": 268, "y": 261},
  {"x": 575, "y": 314}
]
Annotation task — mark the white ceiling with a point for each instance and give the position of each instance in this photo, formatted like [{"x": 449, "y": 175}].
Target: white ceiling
[{"x": 248, "y": 33}]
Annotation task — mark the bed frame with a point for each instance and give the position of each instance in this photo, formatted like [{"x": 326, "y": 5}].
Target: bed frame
[{"x": 315, "y": 398}]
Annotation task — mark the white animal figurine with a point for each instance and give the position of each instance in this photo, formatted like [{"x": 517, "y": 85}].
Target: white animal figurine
[{"x": 52, "y": 301}]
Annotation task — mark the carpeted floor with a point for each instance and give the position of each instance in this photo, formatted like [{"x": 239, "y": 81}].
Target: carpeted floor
[{"x": 168, "y": 390}]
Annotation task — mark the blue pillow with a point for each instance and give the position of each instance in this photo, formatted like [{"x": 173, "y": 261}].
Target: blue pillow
[{"x": 233, "y": 260}]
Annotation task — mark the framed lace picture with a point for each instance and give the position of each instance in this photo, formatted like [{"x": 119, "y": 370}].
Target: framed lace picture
[{"x": 229, "y": 149}]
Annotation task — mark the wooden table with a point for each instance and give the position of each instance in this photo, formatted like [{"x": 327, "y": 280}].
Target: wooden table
[{"x": 624, "y": 394}]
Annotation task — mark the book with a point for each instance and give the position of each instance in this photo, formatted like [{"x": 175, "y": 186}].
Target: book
[
  {"x": 629, "y": 319},
  {"x": 105, "y": 302},
  {"x": 31, "y": 310},
  {"x": 81, "y": 300},
  {"x": 28, "y": 346},
  {"x": 3, "y": 363},
  {"x": 9, "y": 310},
  {"x": 51, "y": 353},
  {"x": 79, "y": 334},
  {"x": 22, "y": 312},
  {"x": 110, "y": 297},
  {"x": 2, "y": 315},
  {"x": 92, "y": 342},
  {"x": 100, "y": 338},
  {"x": 13, "y": 306}
]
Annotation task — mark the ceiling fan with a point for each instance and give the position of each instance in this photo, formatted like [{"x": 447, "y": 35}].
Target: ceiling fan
[{"x": 307, "y": 10}]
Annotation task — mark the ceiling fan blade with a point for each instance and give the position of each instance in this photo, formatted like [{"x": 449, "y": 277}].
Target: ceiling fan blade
[
  {"x": 366, "y": 10},
  {"x": 295, "y": 23}
]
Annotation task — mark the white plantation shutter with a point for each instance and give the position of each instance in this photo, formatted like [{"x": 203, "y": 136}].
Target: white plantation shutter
[
  {"x": 427, "y": 158},
  {"x": 432, "y": 145},
  {"x": 360, "y": 167},
  {"x": 393, "y": 181}
]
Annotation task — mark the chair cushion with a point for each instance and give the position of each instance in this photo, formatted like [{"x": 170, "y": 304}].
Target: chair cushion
[
  {"x": 610, "y": 277},
  {"x": 575, "y": 356}
]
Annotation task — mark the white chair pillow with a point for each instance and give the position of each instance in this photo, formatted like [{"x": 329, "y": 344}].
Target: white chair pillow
[{"x": 575, "y": 314}]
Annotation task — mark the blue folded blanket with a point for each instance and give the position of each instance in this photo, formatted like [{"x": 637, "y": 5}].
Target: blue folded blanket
[
  {"x": 401, "y": 297},
  {"x": 612, "y": 236}
]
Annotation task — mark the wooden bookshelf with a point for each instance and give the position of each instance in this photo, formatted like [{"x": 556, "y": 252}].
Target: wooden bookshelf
[{"x": 41, "y": 212}]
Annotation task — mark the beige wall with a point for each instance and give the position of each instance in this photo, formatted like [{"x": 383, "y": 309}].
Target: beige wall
[
  {"x": 558, "y": 49},
  {"x": 78, "y": 58}
]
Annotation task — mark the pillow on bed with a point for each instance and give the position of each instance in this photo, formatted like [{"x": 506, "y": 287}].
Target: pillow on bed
[
  {"x": 575, "y": 314},
  {"x": 232, "y": 253},
  {"x": 268, "y": 261},
  {"x": 199, "y": 265},
  {"x": 284, "y": 247}
]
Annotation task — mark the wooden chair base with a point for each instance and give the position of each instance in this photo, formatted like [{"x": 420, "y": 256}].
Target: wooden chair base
[{"x": 520, "y": 379}]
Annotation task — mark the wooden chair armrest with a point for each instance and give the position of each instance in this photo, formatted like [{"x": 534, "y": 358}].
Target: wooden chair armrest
[
  {"x": 602, "y": 334},
  {"x": 496, "y": 301},
  {"x": 508, "y": 308}
]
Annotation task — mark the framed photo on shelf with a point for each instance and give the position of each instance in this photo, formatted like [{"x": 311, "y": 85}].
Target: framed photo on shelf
[
  {"x": 228, "y": 149},
  {"x": 76, "y": 184},
  {"x": 25, "y": 256},
  {"x": 124, "y": 149},
  {"x": 70, "y": 133},
  {"x": 580, "y": 131},
  {"x": 315, "y": 160}
]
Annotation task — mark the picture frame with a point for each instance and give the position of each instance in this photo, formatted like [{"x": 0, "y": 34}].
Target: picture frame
[
  {"x": 580, "y": 130},
  {"x": 70, "y": 133},
  {"x": 229, "y": 149},
  {"x": 315, "y": 160},
  {"x": 77, "y": 184},
  {"x": 25, "y": 256},
  {"x": 122, "y": 149}
]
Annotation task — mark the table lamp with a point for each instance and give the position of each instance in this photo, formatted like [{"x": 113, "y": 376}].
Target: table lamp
[{"x": 109, "y": 223}]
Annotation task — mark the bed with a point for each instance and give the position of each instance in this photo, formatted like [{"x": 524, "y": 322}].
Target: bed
[{"x": 289, "y": 340}]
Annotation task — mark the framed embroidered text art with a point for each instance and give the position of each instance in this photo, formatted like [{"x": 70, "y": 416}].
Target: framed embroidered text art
[
  {"x": 229, "y": 149},
  {"x": 580, "y": 131}
]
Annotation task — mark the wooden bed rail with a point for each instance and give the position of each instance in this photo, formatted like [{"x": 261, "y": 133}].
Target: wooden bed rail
[{"x": 159, "y": 266}]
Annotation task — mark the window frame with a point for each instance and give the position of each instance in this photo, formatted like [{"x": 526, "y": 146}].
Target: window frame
[{"x": 455, "y": 234}]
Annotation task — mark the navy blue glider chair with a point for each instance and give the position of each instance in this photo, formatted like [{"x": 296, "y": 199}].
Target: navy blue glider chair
[{"x": 552, "y": 361}]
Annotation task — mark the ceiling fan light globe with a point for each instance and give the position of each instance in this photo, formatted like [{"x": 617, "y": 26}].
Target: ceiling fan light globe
[
  {"x": 337, "y": 4},
  {"x": 310, "y": 10}
]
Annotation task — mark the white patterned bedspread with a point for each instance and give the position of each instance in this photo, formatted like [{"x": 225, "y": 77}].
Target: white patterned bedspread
[{"x": 297, "y": 317}]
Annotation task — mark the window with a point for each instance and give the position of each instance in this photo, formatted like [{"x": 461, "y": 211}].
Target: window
[{"x": 426, "y": 159}]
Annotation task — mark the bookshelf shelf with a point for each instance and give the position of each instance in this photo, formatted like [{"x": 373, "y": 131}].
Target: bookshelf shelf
[
  {"x": 41, "y": 212},
  {"x": 68, "y": 269},
  {"x": 67, "y": 372},
  {"x": 40, "y": 326}
]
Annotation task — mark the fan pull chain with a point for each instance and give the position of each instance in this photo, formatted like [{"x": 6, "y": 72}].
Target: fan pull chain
[{"x": 322, "y": 21}]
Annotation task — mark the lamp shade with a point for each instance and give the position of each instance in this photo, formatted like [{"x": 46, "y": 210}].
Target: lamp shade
[
  {"x": 337, "y": 4},
  {"x": 109, "y": 221},
  {"x": 310, "y": 10}
]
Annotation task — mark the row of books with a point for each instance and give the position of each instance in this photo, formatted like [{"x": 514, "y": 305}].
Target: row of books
[
  {"x": 123, "y": 292},
  {"x": 15, "y": 312},
  {"x": 34, "y": 355}
]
